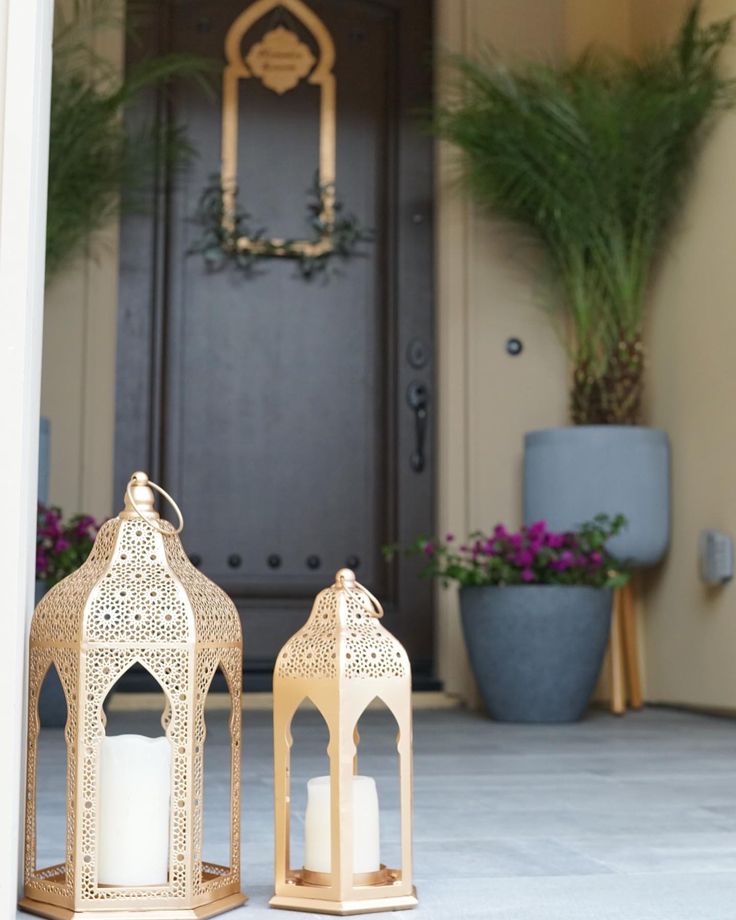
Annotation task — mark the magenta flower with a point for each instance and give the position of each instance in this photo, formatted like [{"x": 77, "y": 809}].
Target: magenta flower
[
  {"x": 85, "y": 524},
  {"x": 565, "y": 561},
  {"x": 531, "y": 554},
  {"x": 62, "y": 546},
  {"x": 41, "y": 561},
  {"x": 51, "y": 528}
]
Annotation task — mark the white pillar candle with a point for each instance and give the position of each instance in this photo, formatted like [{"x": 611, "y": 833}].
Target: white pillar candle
[
  {"x": 317, "y": 828},
  {"x": 133, "y": 811}
]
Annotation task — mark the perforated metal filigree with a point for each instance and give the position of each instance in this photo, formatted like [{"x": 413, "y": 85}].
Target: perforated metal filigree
[
  {"x": 58, "y": 617},
  {"x": 341, "y": 660},
  {"x": 136, "y": 600},
  {"x": 342, "y": 637}
]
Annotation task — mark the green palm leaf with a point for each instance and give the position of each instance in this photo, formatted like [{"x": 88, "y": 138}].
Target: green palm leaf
[
  {"x": 93, "y": 158},
  {"x": 592, "y": 159}
]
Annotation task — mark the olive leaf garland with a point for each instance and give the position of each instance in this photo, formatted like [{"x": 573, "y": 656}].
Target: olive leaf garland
[{"x": 223, "y": 231}]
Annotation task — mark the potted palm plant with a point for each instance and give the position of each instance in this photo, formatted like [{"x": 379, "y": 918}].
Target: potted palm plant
[
  {"x": 536, "y": 612},
  {"x": 591, "y": 159}
]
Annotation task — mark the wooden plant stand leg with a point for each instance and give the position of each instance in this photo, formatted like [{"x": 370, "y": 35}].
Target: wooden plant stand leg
[
  {"x": 631, "y": 646},
  {"x": 618, "y": 688}
]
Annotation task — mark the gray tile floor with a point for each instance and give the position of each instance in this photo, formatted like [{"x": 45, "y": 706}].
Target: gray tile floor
[{"x": 609, "y": 819}]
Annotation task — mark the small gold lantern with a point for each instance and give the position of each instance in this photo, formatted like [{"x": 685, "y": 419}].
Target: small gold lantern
[
  {"x": 341, "y": 660},
  {"x": 136, "y": 600}
]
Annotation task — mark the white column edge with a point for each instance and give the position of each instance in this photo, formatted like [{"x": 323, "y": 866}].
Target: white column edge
[{"x": 25, "y": 70}]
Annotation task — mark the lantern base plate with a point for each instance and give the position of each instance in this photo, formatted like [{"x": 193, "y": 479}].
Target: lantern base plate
[
  {"x": 345, "y": 908},
  {"x": 54, "y": 912}
]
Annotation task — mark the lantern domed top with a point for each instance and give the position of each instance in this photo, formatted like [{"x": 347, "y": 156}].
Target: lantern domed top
[
  {"x": 343, "y": 639},
  {"x": 136, "y": 585}
]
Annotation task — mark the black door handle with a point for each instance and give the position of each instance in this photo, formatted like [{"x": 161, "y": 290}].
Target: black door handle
[{"x": 417, "y": 396}]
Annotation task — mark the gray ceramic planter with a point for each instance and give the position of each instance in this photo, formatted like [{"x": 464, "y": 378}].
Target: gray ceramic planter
[
  {"x": 572, "y": 474},
  {"x": 536, "y": 650}
]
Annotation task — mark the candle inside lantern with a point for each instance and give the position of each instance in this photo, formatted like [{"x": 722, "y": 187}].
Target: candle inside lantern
[
  {"x": 317, "y": 828},
  {"x": 133, "y": 826}
]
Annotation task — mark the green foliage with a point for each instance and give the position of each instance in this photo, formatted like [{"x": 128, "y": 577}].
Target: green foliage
[
  {"x": 592, "y": 159},
  {"x": 92, "y": 156},
  {"x": 532, "y": 555},
  {"x": 221, "y": 231},
  {"x": 62, "y": 546}
]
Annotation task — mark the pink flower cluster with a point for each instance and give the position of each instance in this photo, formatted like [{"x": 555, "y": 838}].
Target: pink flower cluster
[
  {"x": 532, "y": 554},
  {"x": 529, "y": 548},
  {"x": 62, "y": 547}
]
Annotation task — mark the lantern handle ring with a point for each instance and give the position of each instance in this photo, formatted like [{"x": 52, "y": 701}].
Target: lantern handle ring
[
  {"x": 152, "y": 524},
  {"x": 376, "y": 610}
]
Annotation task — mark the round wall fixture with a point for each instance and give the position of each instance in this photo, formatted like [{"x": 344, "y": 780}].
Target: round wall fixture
[{"x": 514, "y": 346}]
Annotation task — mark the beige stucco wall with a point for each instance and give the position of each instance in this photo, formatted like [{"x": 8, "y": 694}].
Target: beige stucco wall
[
  {"x": 599, "y": 22},
  {"x": 691, "y": 629},
  {"x": 487, "y": 291},
  {"x": 78, "y": 384}
]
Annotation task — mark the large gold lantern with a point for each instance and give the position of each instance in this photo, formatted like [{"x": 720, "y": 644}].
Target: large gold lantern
[
  {"x": 134, "y": 805},
  {"x": 341, "y": 660}
]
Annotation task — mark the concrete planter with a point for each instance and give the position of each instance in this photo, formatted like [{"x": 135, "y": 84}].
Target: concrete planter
[
  {"x": 572, "y": 474},
  {"x": 536, "y": 650}
]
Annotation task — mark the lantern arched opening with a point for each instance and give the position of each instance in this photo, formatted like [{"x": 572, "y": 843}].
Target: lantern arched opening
[
  {"x": 220, "y": 729},
  {"x": 50, "y": 845}
]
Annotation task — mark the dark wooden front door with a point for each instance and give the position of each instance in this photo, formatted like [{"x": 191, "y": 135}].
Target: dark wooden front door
[{"x": 286, "y": 415}]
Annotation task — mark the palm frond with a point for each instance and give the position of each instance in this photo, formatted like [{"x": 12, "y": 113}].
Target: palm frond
[
  {"x": 592, "y": 159},
  {"x": 92, "y": 156}
]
